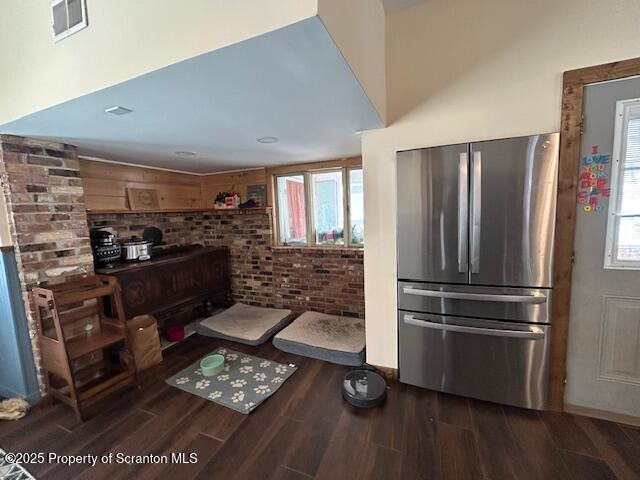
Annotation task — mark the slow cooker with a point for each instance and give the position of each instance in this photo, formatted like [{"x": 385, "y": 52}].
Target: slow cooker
[{"x": 135, "y": 249}]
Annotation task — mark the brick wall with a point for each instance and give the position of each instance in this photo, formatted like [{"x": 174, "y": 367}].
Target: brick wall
[
  {"x": 178, "y": 228},
  {"x": 321, "y": 279},
  {"x": 47, "y": 221},
  {"x": 247, "y": 234}
]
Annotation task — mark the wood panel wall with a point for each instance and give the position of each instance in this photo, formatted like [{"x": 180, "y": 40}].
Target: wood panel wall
[
  {"x": 105, "y": 187},
  {"x": 105, "y": 184},
  {"x": 231, "y": 182}
]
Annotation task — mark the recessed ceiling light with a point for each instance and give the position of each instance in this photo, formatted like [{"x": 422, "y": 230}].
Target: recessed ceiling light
[
  {"x": 184, "y": 153},
  {"x": 266, "y": 139},
  {"x": 118, "y": 110},
  {"x": 359, "y": 132}
]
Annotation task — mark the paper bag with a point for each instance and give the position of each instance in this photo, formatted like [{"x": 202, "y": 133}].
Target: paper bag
[{"x": 145, "y": 341}]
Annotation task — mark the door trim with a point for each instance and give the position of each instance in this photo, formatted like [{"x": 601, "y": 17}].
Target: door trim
[{"x": 574, "y": 82}]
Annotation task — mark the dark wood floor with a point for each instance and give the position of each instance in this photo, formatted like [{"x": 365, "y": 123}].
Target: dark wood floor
[{"x": 306, "y": 431}]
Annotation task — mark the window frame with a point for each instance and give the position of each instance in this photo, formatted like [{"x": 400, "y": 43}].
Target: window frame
[
  {"x": 276, "y": 212},
  {"x": 84, "y": 23},
  {"x": 617, "y": 178},
  {"x": 309, "y": 207},
  {"x": 311, "y": 216},
  {"x": 348, "y": 206}
]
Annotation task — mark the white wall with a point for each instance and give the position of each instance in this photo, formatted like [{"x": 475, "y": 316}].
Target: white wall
[
  {"x": 124, "y": 39},
  {"x": 462, "y": 70},
  {"x": 358, "y": 29}
]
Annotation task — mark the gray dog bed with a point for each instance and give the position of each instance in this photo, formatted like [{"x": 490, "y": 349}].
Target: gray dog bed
[
  {"x": 331, "y": 338},
  {"x": 245, "y": 324}
]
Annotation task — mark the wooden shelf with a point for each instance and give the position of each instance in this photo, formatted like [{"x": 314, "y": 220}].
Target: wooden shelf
[
  {"x": 78, "y": 314},
  {"x": 78, "y": 296},
  {"x": 100, "y": 390},
  {"x": 138, "y": 212},
  {"x": 79, "y": 347},
  {"x": 239, "y": 210},
  {"x": 58, "y": 353},
  {"x": 183, "y": 210}
]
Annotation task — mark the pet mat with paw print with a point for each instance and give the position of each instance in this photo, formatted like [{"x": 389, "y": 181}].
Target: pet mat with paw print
[{"x": 245, "y": 382}]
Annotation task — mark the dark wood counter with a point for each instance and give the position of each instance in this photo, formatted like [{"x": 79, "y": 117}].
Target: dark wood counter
[
  {"x": 160, "y": 257},
  {"x": 173, "y": 282}
]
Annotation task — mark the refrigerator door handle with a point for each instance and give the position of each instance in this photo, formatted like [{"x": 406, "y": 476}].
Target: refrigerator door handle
[
  {"x": 534, "y": 333},
  {"x": 476, "y": 207},
  {"x": 479, "y": 297},
  {"x": 463, "y": 212}
]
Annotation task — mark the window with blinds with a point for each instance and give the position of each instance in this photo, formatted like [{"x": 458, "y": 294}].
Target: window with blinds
[{"x": 623, "y": 228}]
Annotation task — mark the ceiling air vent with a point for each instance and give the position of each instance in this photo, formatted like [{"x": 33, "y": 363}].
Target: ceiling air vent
[{"x": 69, "y": 17}]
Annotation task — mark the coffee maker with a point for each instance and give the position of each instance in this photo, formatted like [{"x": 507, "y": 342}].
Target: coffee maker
[{"x": 105, "y": 246}]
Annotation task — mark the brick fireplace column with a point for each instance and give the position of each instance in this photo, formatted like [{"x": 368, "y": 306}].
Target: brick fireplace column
[{"x": 46, "y": 213}]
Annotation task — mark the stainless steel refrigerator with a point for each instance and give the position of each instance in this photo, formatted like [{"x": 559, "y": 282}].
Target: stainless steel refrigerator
[{"x": 475, "y": 253}]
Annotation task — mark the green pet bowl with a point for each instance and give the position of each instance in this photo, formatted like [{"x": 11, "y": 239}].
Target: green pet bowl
[{"x": 212, "y": 365}]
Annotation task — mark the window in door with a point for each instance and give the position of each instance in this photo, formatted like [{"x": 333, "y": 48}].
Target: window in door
[
  {"x": 68, "y": 17},
  {"x": 623, "y": 227}
]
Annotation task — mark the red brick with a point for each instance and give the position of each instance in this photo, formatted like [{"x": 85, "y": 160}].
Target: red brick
[{"x": 41, "y": 238}]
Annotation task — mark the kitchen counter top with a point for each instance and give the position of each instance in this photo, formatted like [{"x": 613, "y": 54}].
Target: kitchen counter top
[{"x": 170, "y": 255}]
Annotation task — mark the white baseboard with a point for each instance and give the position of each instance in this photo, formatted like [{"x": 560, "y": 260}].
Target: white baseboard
[{"x": 602, "y": 414}]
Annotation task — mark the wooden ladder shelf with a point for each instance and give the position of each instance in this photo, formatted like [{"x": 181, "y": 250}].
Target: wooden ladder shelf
[{"x": 74, "y": 302}]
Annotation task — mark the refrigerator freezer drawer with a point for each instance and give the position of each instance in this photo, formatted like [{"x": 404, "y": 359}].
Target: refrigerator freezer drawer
[
  {"x": 495, "y": 361},
  {"x": 499, "y": 303}
]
